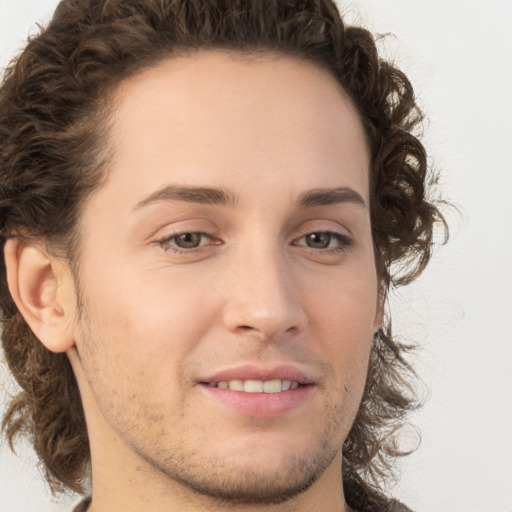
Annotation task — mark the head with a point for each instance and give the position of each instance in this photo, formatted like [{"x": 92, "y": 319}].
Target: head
[{"x": 78, "y": 122}]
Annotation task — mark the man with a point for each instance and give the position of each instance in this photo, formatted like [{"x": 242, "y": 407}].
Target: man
[{"x": 203, "y": 206}]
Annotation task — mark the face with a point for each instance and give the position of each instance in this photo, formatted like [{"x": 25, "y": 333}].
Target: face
[{"x": 227, "y": 277}]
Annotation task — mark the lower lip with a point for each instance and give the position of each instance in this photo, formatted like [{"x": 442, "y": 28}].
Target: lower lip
[{"x": 261, "y": 405}]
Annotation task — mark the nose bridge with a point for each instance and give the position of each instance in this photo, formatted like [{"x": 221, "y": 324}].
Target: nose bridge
[{"x": 261, "y": 296}]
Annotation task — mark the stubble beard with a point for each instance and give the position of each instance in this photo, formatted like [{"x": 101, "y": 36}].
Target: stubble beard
[
  {"x": 217, "y": 478},
  {"x": 229, "y": 483}
]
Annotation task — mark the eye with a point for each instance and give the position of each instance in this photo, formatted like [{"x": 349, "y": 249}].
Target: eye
[
  {"x": 183, "y": 242},
  {"x": 325, "y": 240},
  {"x": 318, "y": 240},
  {"x": 188, "y": 240}
]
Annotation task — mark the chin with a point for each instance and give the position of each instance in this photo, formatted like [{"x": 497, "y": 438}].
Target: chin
[{"x": 256, "y": 484}]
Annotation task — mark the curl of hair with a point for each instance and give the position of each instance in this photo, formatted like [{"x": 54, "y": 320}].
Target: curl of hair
[{"x": 53, "y": 105}]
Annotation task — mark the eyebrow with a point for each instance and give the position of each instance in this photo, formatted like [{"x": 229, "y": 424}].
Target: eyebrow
[
  {"x": 202, "y": 195},
  {"x": 327, "y": 196},
  {"x": 219, "y": 196}
]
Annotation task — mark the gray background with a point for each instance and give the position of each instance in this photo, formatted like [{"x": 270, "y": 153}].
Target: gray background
[{"x": 458, "y": 54}]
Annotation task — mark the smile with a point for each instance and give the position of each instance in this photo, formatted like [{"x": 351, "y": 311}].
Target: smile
[
  {"x": 257, "y": 386},
  {"x": 259, "y": 398}
]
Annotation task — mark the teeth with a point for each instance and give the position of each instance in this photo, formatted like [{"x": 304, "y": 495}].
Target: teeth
[
  {"x": 236, "y": 385},
  {"x": 253, "y": 386},
  {"x": 272, "y": 386},
  {"x": 258, "y": 386}
]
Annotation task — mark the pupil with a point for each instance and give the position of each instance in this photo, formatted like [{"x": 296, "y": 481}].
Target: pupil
[
  {"x": 318, "y": 240},
  {"x": 188, "y": 240}
]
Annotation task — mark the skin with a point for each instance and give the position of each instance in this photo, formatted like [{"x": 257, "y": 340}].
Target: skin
[{"x": 156, "y": 321}]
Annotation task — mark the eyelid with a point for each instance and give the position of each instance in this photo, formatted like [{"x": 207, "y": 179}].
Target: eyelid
[
  {"x": 166, "y": 241},
  {"x": 323, "y": 225},
  {"x": 344, "y": 239},
  {"x": 164, "y": 223}
]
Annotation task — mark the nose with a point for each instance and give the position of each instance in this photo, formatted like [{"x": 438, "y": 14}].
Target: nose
[{"x": 262, "y": 297}]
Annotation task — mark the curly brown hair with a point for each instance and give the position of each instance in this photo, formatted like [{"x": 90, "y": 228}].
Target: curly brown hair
[{"x": 52, "y": 101}]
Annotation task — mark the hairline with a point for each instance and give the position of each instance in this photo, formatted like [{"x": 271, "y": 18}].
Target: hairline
[{"x": 107, "y": 102}]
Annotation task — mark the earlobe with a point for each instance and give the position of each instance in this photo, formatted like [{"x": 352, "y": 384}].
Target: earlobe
[{"x": 40, "y": 289}]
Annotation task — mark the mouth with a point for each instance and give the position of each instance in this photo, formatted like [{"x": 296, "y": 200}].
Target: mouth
[
  {"x": 260, "y": 392},
  {"x": 257, "y": 386}
]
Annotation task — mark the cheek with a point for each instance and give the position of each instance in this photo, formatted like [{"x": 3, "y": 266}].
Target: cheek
[
  {"x": 343, "y": 320},
  {"x": 148, "y": 322},
  {"x": 345, "y": 306}
]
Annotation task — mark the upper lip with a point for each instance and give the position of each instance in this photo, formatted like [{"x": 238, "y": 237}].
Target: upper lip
[{"x": 263, "y": 373}]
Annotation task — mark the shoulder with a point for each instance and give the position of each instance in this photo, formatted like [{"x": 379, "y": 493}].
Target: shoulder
[
  {"x": 83, "y": 505},
  {"x": 396, "y": 506}
]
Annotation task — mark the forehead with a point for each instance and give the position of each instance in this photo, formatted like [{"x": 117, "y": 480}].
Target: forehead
[{"x": 214, "y": 115}]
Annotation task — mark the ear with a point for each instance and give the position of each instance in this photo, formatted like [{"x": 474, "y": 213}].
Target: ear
[{"x": 43, "y": 290}]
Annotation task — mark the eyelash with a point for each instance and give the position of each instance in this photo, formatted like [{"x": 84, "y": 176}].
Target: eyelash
[
  {"x": 165, "y": 243},
  {"x": 344, "y": 242}
]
